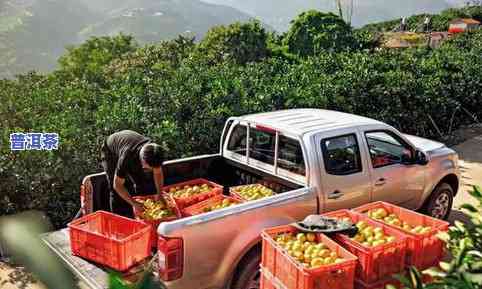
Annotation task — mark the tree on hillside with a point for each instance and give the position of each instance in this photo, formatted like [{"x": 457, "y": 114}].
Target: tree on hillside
[
  {"x": 239, "y": 42},
  {"x": 440, "y": 22},
  {"x": 313, "y": 32},
  {"x": 475, "y": 11},
  {"x": 153, "y": 57},
  {"x": 88, "y": 60}
]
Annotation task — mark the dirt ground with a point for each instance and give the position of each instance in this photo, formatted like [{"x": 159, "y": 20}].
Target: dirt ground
[
  {"x": 17, "y": 278},
  {"x": 470, "y": 153}
]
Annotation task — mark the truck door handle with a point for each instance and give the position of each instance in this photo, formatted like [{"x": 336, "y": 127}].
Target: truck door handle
[
  {"x": 380, "y": 182},
  {"x": 335, "y": 195}
]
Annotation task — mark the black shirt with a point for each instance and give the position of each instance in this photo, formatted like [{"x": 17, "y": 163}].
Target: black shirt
[{"x": 125, "y": 146}]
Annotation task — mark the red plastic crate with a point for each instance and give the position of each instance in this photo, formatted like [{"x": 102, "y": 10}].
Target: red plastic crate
[
  {"x": 155, "y": 223},
  {"x": 110, "y": 240},
  {"x": 199, "y": 208},
  {"x": 292, "y": 275},
  {"x": 186, "y": 202},
  {"x": 374, "y": 263},
  {"x": 423, "y": 250},
  {"x": 267, "y": 280}
]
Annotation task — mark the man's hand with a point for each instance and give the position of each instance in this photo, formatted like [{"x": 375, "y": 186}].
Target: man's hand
[
  {"x": 124, "y": 194},
  {"x": 138, "y": 207}
]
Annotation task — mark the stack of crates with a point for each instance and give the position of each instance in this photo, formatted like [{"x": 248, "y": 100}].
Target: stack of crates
[
  {"x": 377, "y": 262},
  {"x": 423, "y": 250},
  {"x": 280, "y": 270},
  {"x": 375, "y": 266}
]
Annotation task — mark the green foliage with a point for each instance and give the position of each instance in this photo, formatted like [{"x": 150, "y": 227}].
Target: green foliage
[
  {"x": 314, "y": 32},
  {"x": 238, "y": 42},
  {"x": 47, "y": 181},
  {"x": 180, "y": 93},
  {"x": 366, "y": 39},
  {"x": 146, "y": 280},
  {"x": 88, "y": 60}
]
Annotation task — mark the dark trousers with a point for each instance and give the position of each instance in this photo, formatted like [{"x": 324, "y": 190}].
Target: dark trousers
[{"x": 143, "y": 184}]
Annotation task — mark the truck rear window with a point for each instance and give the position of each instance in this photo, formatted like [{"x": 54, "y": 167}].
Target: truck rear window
[
  {"x": 237, "y": 142},
  {"x": 290, "y": 155},
  {"x": 262, "y": 151},
  {"x": 262, "y": 146}
]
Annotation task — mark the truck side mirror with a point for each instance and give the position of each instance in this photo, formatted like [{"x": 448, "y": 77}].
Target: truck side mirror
[{"x": 421, "y": 158}]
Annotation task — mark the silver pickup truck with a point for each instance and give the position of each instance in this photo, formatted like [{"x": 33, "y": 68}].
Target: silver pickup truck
[{"x": 316, "y": 160}]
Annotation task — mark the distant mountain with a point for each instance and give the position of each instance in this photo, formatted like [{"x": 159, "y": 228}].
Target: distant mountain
[
  {"x": 34, "y": 33},
  {"x": 279, "y": 15},
  {"x": 37, "y": 32},
  {"x": 152, "y": 20},
  {"x": 456, "y": 3}
]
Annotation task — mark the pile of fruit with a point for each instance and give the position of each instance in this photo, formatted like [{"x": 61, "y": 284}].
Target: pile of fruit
[
  {"x": 189, "y": 190},
  {"x": 224, "y": 204},
  {"x": 382, "y": 215},
  {"x": 370, "y": 236},
  {"x": 306, "y": 250},
  {"x": 253, "y": 192},
  {"x": 155, "y": 210}
]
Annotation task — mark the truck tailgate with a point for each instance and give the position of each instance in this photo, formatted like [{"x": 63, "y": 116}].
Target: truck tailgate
[{"x": 95, "y": 276}]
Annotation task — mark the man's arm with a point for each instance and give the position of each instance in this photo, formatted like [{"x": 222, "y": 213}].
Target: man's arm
[
  {"x": 158, "y": 179},
  {"x": 124, "y": 194}
]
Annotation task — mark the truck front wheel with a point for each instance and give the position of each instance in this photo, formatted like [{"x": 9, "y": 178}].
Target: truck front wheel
[
  {"x": 248, "y": 276},
  {"x": 440, "y": 202}
]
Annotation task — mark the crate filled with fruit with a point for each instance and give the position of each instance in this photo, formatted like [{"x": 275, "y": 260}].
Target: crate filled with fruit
[
  {"x": 300, "y": 260},
  {"x": 192, "y": 192},
  {"x": 380, "y": 249},
  {"x": 251, "y": 192},
  {"x": 424, "y": 248},
  {"x": 156, "y": 210},
  {"x": 215, "y": 203}
]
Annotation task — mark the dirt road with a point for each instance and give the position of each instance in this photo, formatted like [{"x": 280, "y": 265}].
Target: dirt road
[{"x": 470, "y": 154}]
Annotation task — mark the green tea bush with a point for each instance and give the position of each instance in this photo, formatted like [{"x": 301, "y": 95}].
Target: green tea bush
[{"x": 175, "y": 93}]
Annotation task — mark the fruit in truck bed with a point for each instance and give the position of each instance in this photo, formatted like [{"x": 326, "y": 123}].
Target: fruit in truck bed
[
  {"x": 224, "y": 204},
  {"x": 370, "y": 236},
  {"x": 382, "y": 215},
  {"x": 254, "y": 192},
  {"x": 304, "y": 248},
  {"x": 189, "y": 190},
  {"x": 155, "y": 210}
]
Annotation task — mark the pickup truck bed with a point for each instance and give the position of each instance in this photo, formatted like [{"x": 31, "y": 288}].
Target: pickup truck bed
[{"x": 212, "y": 167}]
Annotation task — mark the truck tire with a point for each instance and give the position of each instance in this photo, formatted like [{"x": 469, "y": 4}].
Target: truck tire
[
  {"x": 248, "y": 277},
  {"x": 440, "y": 202}
]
